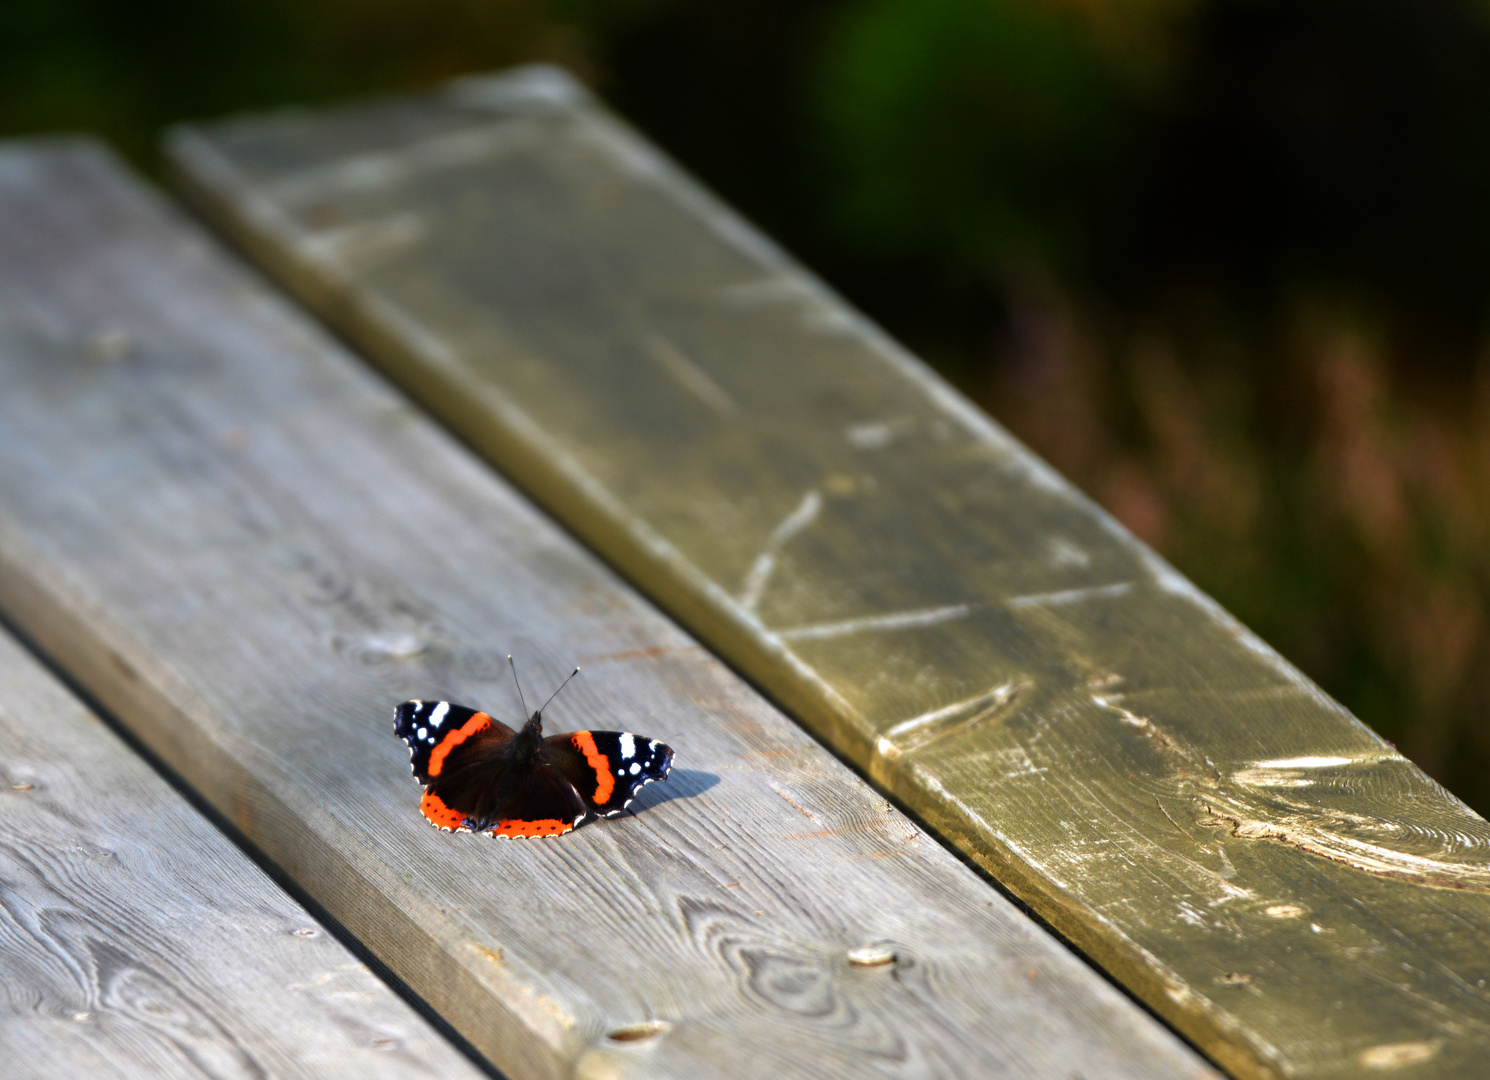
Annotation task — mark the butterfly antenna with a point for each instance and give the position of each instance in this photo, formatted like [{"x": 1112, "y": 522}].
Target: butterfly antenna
[
  {"x": 518, "y": 684},
  {"x": 563, "y": 684}
]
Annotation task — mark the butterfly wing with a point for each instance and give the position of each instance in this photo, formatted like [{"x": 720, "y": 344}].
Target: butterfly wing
[
  {"x": 545, "y": 803},
  {"x": 463, "y": 757},
  {"x": 433, "y": 729},
  {"x": 608, "y": 768}
]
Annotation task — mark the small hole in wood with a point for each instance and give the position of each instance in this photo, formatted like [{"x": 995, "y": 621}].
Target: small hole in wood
[
  {"x": 21, "y": 787},
  {"x": 384, "y": 1044},
  {"x": 647, "y": 1029},
  {"x": 306, "y": 932},
  {"x": 871, "y": 956}
]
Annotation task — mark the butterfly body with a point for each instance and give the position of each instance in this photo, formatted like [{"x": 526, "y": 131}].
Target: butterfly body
[{"x": 480, "y": 775}]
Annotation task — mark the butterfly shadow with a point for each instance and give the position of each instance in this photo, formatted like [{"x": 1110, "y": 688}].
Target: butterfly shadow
[{"x": 680, "y": 784}]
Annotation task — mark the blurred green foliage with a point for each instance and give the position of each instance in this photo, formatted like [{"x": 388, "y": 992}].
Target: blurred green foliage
[
  {"x": 1225, "y": 263},
  {"x": 969, "y": 131},
  {"x": 124, "y": 70}
]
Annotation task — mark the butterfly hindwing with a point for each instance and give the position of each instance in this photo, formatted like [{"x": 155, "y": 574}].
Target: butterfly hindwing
[
  {"x": 544, "y": 804},
  {"x": 608, "y": 767},
  {"x": 439, "y": 814}
]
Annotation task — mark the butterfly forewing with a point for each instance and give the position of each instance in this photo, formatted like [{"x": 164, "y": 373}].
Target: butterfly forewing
[
  {"x": 608, "y": 768},
  {"x": 432, "y": 729}
]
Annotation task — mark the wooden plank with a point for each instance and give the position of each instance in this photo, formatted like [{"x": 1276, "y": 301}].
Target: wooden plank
[
  {"x": 250, "y": 548},
  {"x": 913, "y": 585},
  {"x": 136, "y": 941}
]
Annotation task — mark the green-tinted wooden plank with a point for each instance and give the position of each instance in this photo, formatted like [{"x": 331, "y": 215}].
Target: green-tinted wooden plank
[
  {"x": 249, "y": 547},
  {"x": 913, "y": 585}
]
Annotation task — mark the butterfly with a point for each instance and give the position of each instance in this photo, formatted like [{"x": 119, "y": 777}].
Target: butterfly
[{"x": 480, "y": 775}]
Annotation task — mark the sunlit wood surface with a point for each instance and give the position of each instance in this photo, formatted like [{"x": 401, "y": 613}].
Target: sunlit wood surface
[
  {"x": 136, "y": 941},
  {"x": 250, "y": 548},
  {"x": 915, "y": 587}
]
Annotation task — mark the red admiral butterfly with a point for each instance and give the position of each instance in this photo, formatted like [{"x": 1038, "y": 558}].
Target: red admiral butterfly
[{"x": 479, "y": 775}]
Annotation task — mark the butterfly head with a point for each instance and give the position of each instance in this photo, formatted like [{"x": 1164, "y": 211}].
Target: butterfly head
[{"x": 534, "y": 727}]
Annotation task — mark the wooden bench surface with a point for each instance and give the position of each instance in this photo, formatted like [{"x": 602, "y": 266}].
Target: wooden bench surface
[
  {"x": 137, "y": 941},
  {"x": 249, "y": 548},
  {"x": 910, "y": 583}
]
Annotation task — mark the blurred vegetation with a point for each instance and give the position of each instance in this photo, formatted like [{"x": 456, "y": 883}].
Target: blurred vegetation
[{"x": 1225, "y": 263}]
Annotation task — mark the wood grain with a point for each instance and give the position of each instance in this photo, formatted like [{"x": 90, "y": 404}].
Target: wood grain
[
  {"x": 913, "y": 585},
  {"x": 136, "y": 941},
  {"x": 250, "y": 549}
]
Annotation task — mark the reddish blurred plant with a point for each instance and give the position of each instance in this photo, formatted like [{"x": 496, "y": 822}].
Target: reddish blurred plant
[{"x": 1350, "y": 528}]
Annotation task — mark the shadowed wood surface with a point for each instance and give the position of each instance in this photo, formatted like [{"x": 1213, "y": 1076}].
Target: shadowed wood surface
[
  {"x": 912, "y": 584},
  {"x": 136, "y": 941},
  {"x": 250, "y": 549}
]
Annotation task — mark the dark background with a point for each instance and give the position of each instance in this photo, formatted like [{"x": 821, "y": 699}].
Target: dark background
[{"x": 1225, "y": 263}]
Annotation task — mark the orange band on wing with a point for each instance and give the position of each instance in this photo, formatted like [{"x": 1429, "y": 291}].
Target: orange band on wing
[
  {"x": 433, "y": 807},
  {"x": 479, "y": 722},
  {"x": 584, "y": 742},
  {"x": 546, "y": 827}
]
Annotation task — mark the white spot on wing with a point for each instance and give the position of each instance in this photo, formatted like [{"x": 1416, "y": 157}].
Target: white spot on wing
[
  {"x": 628, "y": 745},
  {"x": 437, "y": 717}
]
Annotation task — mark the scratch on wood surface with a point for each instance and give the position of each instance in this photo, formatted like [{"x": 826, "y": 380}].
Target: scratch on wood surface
[
  {"x": 362, "y": 173},
  {"x": 1253, "y": 802},
  {"x": 919, "y": 731},
  {"x": 364, "y": 242},
  {"x": 1300, "y": 771},
  {"x": 1071, "y": 596},
  {"x": 1142, "y": 723},
  {"x": 798, "y": 807},
  {"x": 1320, "y": 832},
  {"x": 689, "y": 375},
  {"x": 1165, "y": 812},
  {"x": 765, "y": 563},
  {"x": 877, "y": 434},
  {"x": 1293, "y": 800},
  {"x": 897, "y": 620},
  {"x": 1065, "y": 552}
]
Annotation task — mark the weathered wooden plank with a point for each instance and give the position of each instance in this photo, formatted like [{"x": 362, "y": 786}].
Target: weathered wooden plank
[
  {"x": 250, "y": 549},
  {"x": 136, "y": 941},
  {"x": 916, "y": 587}
]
